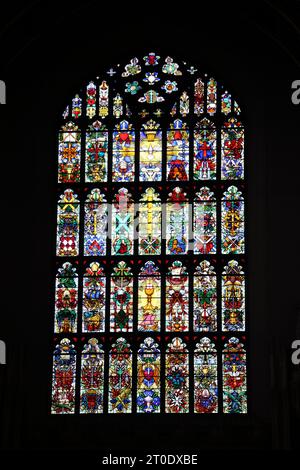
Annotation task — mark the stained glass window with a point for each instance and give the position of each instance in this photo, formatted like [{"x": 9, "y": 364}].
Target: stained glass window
[
  {"x": 233, "y": 297},
  {"x": 96, "y": 148},
  {"x": 69, "y": 153},
  {"x": 178, "y": 152},
  {"x": 150, "y": 152},
  {"x": 148, "y": 377},
  {"x": 150, "y": 215},
  {"x": 205, "y": 298},
  {"x": 234, "y": 377},
  {"x": 95, "y": 224},
  {"x": 177, "y": 377},
  {"x": 177, "y": 298},
  {"x": 233, "y": 236},
  {"x": 120, "y": 377},
  {"x": 64, "y": 376},
  {"x": 205, "y": 144},
  {"x": 149, "y": 305},
  {"x": 93, "y": 301},
  {"x": 123, "y": 152},
  {"x": 92, "y": 378},
  {"x": 232, "y": 150},
  {"x": 66, "y": 303},
  {"x": 205, "y": 377},
  {"x": 122, "y": 223},
  {"x": 177, "y": 222},
  {"x": 121, "y": 298},
  {"x": 67, "y": 241},
  {"x": 151, "y": 270},
  {"x": 205, "y": 222}
]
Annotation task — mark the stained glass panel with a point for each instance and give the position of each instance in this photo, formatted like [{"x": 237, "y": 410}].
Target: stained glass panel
[
  {"x": 69, "y": 153},
  {"x": 177, "y": 298},
  {"x": 66, "y": 302},
  {"x": 150, "y": 152},
  {"x": 178, "y": 152},
  {"x": 95, "y": 224},
  {"x": 233, "y": 237},
  {"x": 93, "y": 302},
  {"x": 234, "y": 377},
  {"x": 92, "y": 378},
  {"x": 91, "y": 93},
  {"x": 120, "y": 377},
  {"x": 177, "y": 222},
  {"x": 205, "y": 377},
  {"x": 226, "y": 103},
  {"x": 103, "y": 99},
  {"x": 205, "y": 298},
  {"x": 199, "y": 97},
  {"x": 67, "y": 238},
  {"x": 211, "y": 96},
  {"x": 232, "y": 150},
  {"x": 123, "y": 152},
  {"x": 150, "y": 215},
  {"x": 148, "y": 377},
  {"x": 63, "y": 380},
  {"x": 205, "y": 144},
  {"x": 121, "y": 298},
  {"x": 205, "y": 222},
  {"x": 76, "y": 107},
  {"x": 149, "y": 302},
  {"x": 233, "y": 297},
  {"x": 177, "y": 377},
  {"x": 96, "y": 148},
  {"x": 122, "y": 223}
]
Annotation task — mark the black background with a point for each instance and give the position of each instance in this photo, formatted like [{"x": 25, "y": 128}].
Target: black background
[{"x": 47, "y": 52}]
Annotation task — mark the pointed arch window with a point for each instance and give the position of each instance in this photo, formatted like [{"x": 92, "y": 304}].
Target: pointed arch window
[{"x": 149, "y": 311}]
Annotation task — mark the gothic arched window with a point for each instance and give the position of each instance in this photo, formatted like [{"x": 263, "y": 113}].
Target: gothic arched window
[{"x": 149, "y": 308}]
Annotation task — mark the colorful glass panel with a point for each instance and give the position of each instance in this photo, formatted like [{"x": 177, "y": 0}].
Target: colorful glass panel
[
  {"x": 91, "y": 93},
  {"x": 96, "y": 148},
  {"x": 66, "y": 302},
  {"x": 233, "y": 297},
  {"x": 232, "y": 154},
  {"x": 150, "y": 152},
  {"x": 122, "y": 223},
  {"x": 69, "y": 154},
  {"x": 123, "y": 152},
  {"x": 67, "y": 239},
  {"x": 93, "y": 302},
  {"x": 177, "y": 298},
  {"x": 63, "y": 379},
  {"x": 103, "y": 99},
  {"x": 177, "y": 377},
  {"x": 178, "y": 152},
  {"x": 211, "y": 96},
  {"x": 148, "y": 377},
  {"x": 92, "y": 378},
  {"x": 205, "y": 298},
  {"x": 121, "y": 299},
  {"x": 205, "y": 377},
  {"x": 205, "y": 222},
  {"x": 199, "y": 97},
  {"x": 233, "y": 238},
  {"x": 150, "y": 216},
  {"x": 120, "y": 377},
  {"x": 177, "y": 215},
  {"x": 149, "y": 298},
  {"x": 234, "y": 377},
  {"x": 95, "y": 224},
  {"x": 205, "y": 150}
]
